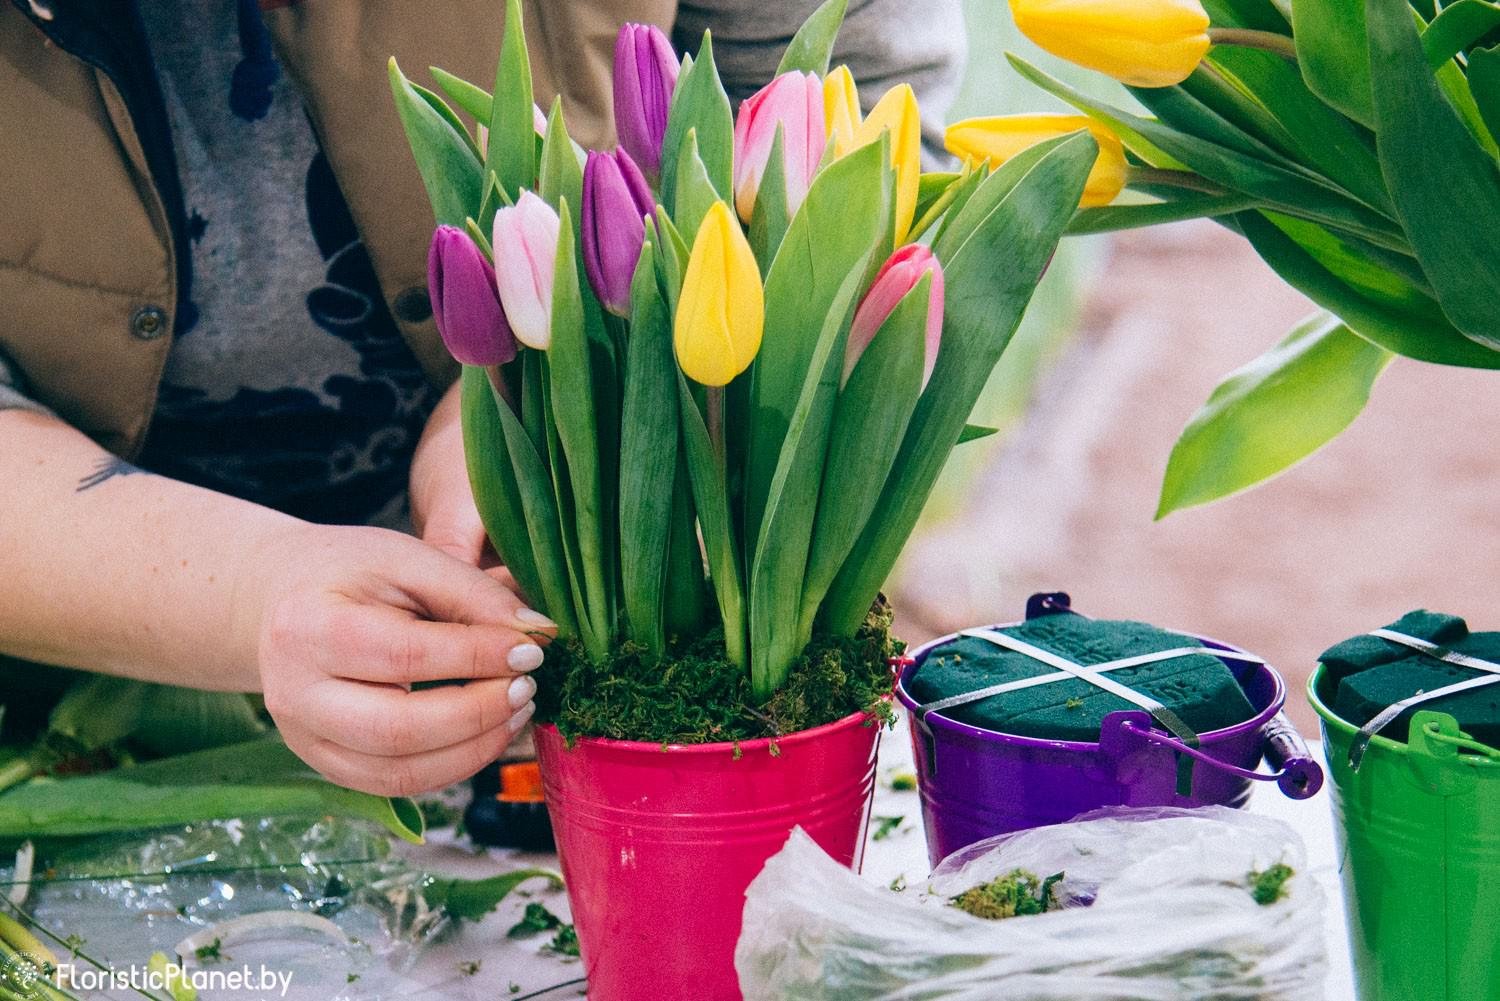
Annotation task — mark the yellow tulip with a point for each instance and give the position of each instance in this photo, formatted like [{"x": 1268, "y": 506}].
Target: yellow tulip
[
  {"x": 1144, "y": 43},
  {"x": 721, "y": 313},
  {"x": 995, "y": 140},
  {"x": 841, "y": 109},
  {"x": 897, "y": 113}
]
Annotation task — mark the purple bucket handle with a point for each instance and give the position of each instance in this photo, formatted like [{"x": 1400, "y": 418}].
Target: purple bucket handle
[{"x": 1297, "y": 774}]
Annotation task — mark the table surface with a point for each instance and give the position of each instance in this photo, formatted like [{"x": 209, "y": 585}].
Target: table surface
[{"x": 511, "y": 968}]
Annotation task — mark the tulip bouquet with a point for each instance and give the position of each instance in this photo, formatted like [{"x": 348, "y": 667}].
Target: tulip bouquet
[
  {"x": 1351, "y": 142},
  {"x": 711, "y": 377}
]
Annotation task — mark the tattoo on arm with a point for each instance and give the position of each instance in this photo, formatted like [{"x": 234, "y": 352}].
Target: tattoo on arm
[{"x": 107, "y": 469}]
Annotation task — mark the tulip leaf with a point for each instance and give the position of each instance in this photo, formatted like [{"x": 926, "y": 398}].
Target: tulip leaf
[
  {"x": 824, "y": 243},
  {"x": 695, "y": 193},
  {"x": 811, "y": 48},
  {"x": 769, "y": 220},
  {"x": 475, "y": 101},
  {"x": 1289, "y": 191},
  {"x": 1423, "y": 334},
  {"x": 779, "y": 564},
  {"x": 700, "y": 104},
  {"x": 709, "y": 479},
  {"x": 1195, "y": 205},
  {"x": 1458, "y": 26},
  {"x": 489, "y": 205},
  {"x": 931, "y": 187},
  {"x": 648, "y": 457},
  {"x": 1484, "y": 82},
  {"x": 869, "y": 421},
  {"x": 976, "y": 432},
  {"x": 990, "y": 274},
  {"x": 1208, "y": 106},
  {"x": 1441, "y": 179},
  {"x": 259, "y": 778},
  {"x": 448, "y": 115},
  {"x": 982, "y": 204},
  {"x": 684, "y": 599},
  {"x": 561, "y": 176},
  {"x": 1262, "y": 15},
  {"x": 1271, "y": 414},
  {"x": 672, "y": 253},
  {"x": 1333, "y": 54},
  {"x": 450, "y": 171},
  {"x": 567, "y": 516},
  {"x": 571, "y": 382},
  {"x": 512, "y": 121}
]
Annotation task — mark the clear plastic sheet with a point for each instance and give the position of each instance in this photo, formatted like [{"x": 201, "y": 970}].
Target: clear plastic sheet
[{"x": 1157, "y": 908}]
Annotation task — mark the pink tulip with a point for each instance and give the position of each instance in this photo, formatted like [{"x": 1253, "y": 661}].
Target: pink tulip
[
  {"x": 525, "y": 245},
  {"x": 465, "y": 305},
  {"x": 897, "y": 277},
  {"x": 793, "y": 102},
  {"x": 645, "y": 74}
]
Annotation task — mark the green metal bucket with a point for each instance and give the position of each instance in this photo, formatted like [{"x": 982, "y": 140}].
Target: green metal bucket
[{"x": 1418, "y": 827}]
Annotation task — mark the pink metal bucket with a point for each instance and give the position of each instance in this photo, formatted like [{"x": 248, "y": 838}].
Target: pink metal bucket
[{"x": 659, "y": 843}]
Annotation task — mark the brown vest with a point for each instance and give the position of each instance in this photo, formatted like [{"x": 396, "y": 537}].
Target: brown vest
[{"x": 88, "y": 282}]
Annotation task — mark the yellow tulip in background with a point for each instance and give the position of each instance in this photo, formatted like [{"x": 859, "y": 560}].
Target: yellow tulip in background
[
  {"x": 722, "y": 311},
  {"x": 897, "y": 113},
  {"x": 1144, "y": 43},
  {"x": 995, "y": 140},
  {"x": 841, "y": 109}
]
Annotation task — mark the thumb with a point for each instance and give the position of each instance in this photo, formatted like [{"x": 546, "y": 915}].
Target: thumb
[{"x": 454, "y": 527}]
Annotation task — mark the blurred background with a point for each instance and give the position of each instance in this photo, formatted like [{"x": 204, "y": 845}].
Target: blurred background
[{"x": 1126, "y": 339}]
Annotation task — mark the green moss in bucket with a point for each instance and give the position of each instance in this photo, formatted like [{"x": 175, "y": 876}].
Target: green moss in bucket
[{"x": 696, "y": 696}]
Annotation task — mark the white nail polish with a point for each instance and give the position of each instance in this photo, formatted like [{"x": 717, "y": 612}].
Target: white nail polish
[
  {"x": 526, "y": 657},
  {"x": 537, "y": 619},
  {"x": 521, "y": 692},
  {"x": 521, "y": 717}
]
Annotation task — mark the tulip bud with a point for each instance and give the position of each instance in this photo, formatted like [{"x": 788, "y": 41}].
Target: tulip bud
[
  {"x": 898, "y": 114},
  {"x": 721, "y": 313},
  {"x": 793, "y": 102},
  {"x": 895, "y": 280},
  {"x": 841, "y": 114},
  {"x": 525, "y": 246},
  {"x": 995, "y": 140},
  {"x": 465, "y": 304},
  {"x": 616, "y": 200},
  {"x": 1144, "y": 43},
  {"x": 645, "y": 76}
]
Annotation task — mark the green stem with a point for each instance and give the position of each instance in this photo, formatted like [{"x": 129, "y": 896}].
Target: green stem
[
  {"x": 1270, "y": 41},
  {"x": 18, "y": 771},
  {"x": 1138, "y": 176}
]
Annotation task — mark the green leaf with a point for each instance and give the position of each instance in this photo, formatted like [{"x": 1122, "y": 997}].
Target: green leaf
[
  {"x": 1423, "y": 335},
  {"x": 700, "y": 104},
  {"x": 450, "y": 171},
  {"x": 100, "y": 710},
  {"x": 648, "y": 457},
  {"x": 1333, "y": 54},
  {"x": 824, "y": 243},
  {"x": 1271, "y": 414},
  {"x": 1458, "y": 26},
  {"x": 931, "y": 187},
  {"x": 475, "y": 101},
  {"x": 990, "y": 274},
  {"x": 811, "y": 48},
  {"x": 512, "y": 122},
  {"x": 497, "y": 495},
  {"x": 472, "y": 899},
  {"x": 672, "y": 253},
  {"x": 770, "y": 218},
  {"x": 1193, "y": 205},
  {"x": 685, "y": 600},
  {"x": 572, "y": 408},
  {"x": 695, "y": 193},
  {"x": 561, "y": 175},
  {"x": 261, "y": 778},
  {"x": 976, "y": 432},
  {"x": 448, "y": 115},
  {"x": 1484, "y": 83},
  {"x": 869, "y": 421},
  {"x": 1446, "y": 188}
]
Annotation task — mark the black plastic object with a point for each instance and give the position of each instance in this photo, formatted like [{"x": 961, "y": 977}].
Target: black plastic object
[{"x": 508, "y": 810}]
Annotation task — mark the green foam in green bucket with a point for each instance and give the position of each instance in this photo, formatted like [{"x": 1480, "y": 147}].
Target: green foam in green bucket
[{"x": 1418, "y": 829}]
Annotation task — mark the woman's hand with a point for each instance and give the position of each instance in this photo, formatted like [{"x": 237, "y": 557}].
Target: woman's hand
[
  {"x": 442, "y": 504},
  {"x": 352, "y": 618}
]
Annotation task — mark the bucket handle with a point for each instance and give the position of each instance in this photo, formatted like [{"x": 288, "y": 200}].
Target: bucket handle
[{"x": 1297, "y": 774}]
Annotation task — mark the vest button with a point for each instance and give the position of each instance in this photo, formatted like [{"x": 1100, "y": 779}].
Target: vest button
[
  {"x": 414, "y": 305},
  {"x": 149, "y": 323}
]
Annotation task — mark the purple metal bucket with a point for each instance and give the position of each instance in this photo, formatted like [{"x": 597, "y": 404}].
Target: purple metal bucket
[{"x": 977, "y": 783}]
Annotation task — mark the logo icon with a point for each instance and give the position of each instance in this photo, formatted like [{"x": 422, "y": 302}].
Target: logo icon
[{"x": 20, "y": 974}]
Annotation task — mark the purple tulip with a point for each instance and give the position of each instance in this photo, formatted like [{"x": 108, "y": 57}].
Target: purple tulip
[
  {"x": 645, "y": 76},
  {"x": 616, "y": 200},
  {"x": 465, "y": 304}
]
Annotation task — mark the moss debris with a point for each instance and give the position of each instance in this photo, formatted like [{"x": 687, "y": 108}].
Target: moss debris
[
  {"x": 1017, "y": 894},
  {"x": 1270, "y": 886}
]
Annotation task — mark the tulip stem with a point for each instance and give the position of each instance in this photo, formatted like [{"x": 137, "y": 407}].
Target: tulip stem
[
  {"x": 1142, "y": 176},
  {"x": 501, "y": 388},
  {"x": 714, "y": 399},
  {"x": 1270, "y": 41}
]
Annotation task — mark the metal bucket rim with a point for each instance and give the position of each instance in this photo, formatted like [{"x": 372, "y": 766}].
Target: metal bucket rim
[
  {"x": 745, "y": 747},
  {"x": 937, "y": 721},
  {"x": 1333, "y": 721}
]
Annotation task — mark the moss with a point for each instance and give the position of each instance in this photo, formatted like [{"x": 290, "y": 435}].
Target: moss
[
  {"x": 694, "y": 695},
  {"x": 1270, "y": 886},
  {"x": 1017, "y": 894}
]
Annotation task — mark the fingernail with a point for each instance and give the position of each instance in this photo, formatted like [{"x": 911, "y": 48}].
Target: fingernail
[
  {"x": 531, "y": 618},
  {"x": 526, "y": 657},
  {"x": 521, "y": 692},
  {"x": 521, "y": 717}
]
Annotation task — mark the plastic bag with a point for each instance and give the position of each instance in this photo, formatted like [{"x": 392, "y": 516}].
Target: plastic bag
[{"x": 1157, "y": 907}]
